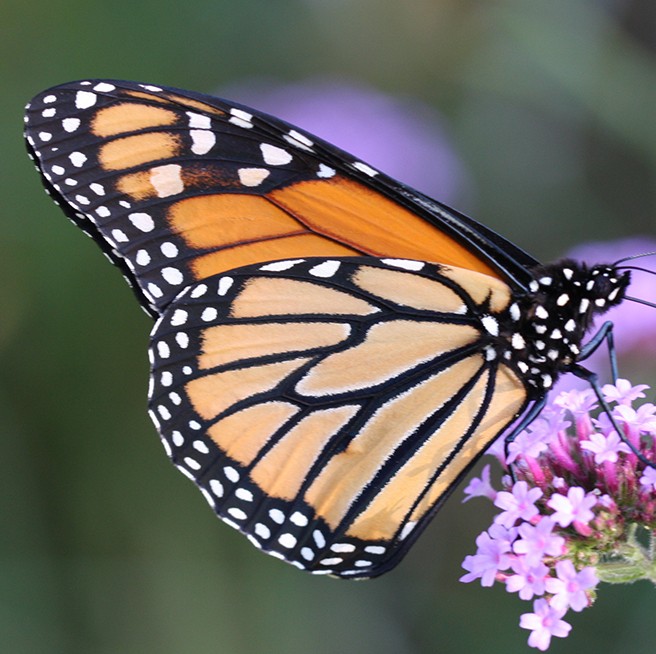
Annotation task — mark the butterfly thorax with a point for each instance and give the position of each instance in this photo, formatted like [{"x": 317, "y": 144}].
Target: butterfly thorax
[{"x": 546, "y": 325}]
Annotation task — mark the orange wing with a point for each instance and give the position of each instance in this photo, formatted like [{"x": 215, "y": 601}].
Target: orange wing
[
  {"x": 177, "y": 186},
  {"x": 327, "y": 407}
]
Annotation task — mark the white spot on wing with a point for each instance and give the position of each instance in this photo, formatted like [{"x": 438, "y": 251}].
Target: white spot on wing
[
  {"x": 142, "y": 221},
  {"x": 299, "y": 140},
  {"x": 319, "y": 538},
  {"x": 85, "y": 99},
  {"x": 325, "y": 171},
  {"x": 199, "y": 291},
  {"x": 104, "y": 87},
  {"x": 179, "y": 317},
  {"x": 209, "y": 314},
  {"x": 77, "y": 159},
  {"x": 406, "y": 264},
  {"x": 216, "y": 486},
  {"x": 119, "y": 236},
  {"x": 364, "y": 168},
  {"x": 274, "y": 156},
  {"x": 407, "y": 528},
  {"x": 562, "y": 300},
  {"x": 298, "y": 519},
  {"x": 325, "y": 269},
  {"x": 202, "y": 140},
  {"x": 166, "y": 180},
  {"x": 518, "y": 341},
  {"x": 225, "y": 283},
  {"x": 374, "y": 549},
  {"x": 241, "y": 118},
  {"x": 244, "y": 494},
  {"x": 262, "y": 531},
  {"x": 231, "y": 474},
  {"x": 278, "y": 266},
  {"x": 491, "y": 325},
  {"x": 169, "y": 249},
  {"x": 252, "y": 176},
  {"x": 142, "y": 258},
  {"x": 198, "y": 121},
  {"x": 287, "y": 540},
  {"x": 173, "y": 276},
  {"x": 236, "y": 513}
]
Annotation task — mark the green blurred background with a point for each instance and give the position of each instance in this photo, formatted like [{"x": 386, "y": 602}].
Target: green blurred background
[{"x": 550, "y": 107}]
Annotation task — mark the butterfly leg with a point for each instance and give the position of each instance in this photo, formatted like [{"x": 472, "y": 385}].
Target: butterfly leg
[
  {"x": 524, "y": 422},
  {"x": 605, "y": 333}
]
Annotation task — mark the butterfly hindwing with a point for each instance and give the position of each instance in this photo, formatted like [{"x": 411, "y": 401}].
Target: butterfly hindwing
[{"x": 319, "y": 404}]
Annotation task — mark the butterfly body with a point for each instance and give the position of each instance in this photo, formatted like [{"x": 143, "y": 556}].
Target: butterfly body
[{"x": 332, "y": 350}]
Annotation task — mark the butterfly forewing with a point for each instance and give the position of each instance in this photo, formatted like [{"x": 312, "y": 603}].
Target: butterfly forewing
[
  {"x": 178, "y": 187},
  {"x": 326, "y": 407}
]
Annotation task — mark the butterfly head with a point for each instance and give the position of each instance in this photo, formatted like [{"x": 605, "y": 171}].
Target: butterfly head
[{"x": 555, "y": 314}]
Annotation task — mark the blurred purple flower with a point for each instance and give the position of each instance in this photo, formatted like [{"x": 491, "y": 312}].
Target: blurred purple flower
[
  {"x": 480, "y": 487},
  {"x": 544, "y": 622},
  {"x": 491, "y": 556},
  {"x": 648, "y": 479},
  {"x": 537, "y": 541},
  {"x": 623, "y": 392},
  {"x": 402, "y": 138},
  {"x": 573, "y": 507},
  {"x": 518, "y": 504},
  {"x": 570, "y": 586},
  {"x": 528, "y": 580},
  {"x": 605, "y": 447}
]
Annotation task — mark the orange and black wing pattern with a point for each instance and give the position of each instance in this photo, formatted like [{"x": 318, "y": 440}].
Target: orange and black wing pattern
[
  {"x": 323, "y": 384},
  {"x": 326, "y": 407},
  {"x": 177, "y": 186}
]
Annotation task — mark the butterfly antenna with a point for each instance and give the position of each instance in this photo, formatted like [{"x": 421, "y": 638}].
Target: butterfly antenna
[
  {"x": 635, "y": 256},
  {"x": 638, "y": 268},
  {"x": 639, "y": 301}
]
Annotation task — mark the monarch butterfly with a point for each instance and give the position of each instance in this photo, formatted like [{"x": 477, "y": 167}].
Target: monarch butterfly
[{"x": 332, "y": 350}]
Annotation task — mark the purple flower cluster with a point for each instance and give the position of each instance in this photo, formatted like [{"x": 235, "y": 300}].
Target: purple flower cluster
[{"x": 575, "y": 511}]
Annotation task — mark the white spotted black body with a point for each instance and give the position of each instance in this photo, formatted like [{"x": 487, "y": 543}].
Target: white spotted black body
[{"x": 545, "y": 329}]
